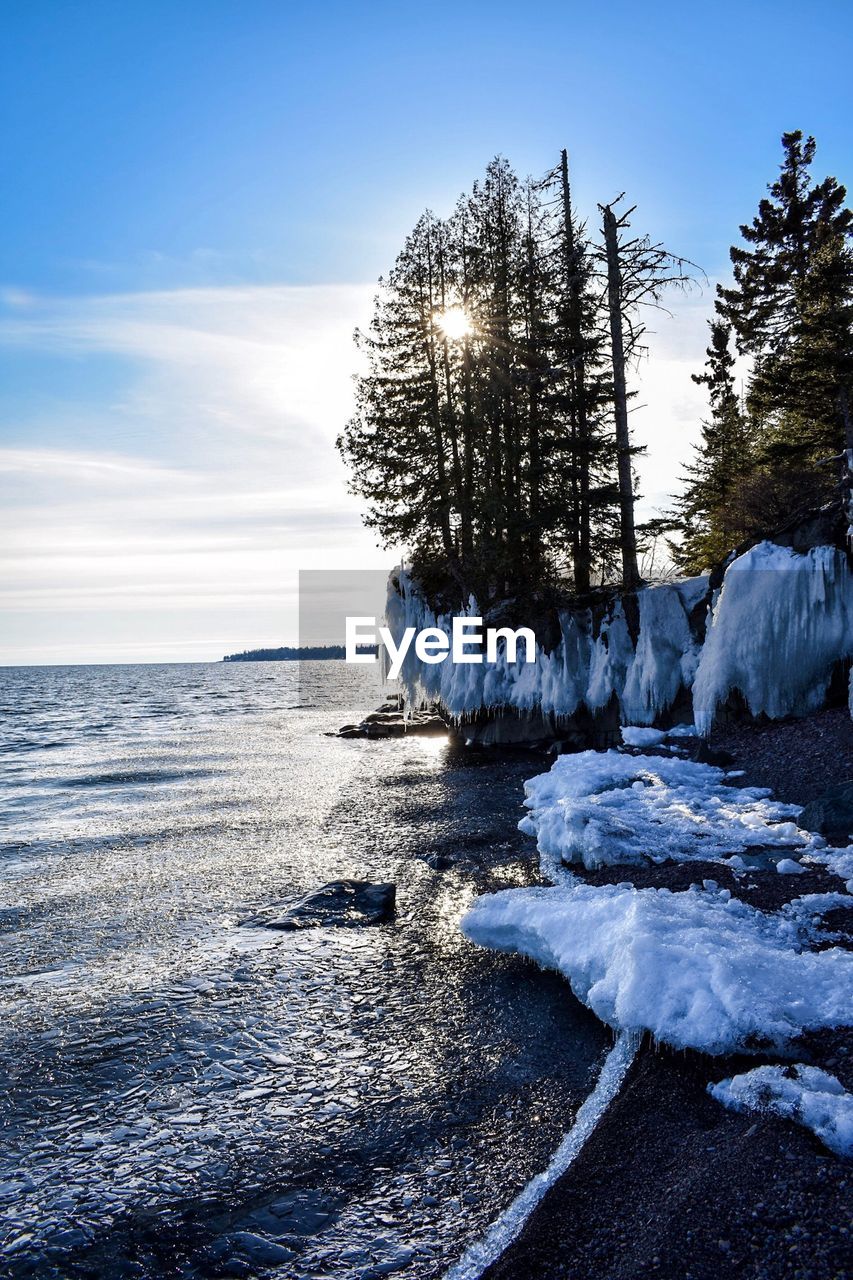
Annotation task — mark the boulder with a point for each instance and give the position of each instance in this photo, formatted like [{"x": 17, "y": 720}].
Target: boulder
[
  {"x": 395, "y": 728},
  {"x": 339, "y": 904},
  {"x": 426, "y": 724},
  {"x": 393, "y": 724},
  {"x": 832, "y": 813}
]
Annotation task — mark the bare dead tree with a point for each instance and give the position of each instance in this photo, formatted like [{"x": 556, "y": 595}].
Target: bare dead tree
[{"x": 636, "y": 272}]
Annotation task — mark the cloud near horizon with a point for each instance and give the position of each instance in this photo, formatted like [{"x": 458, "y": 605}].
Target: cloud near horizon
[{"x": 167, "y": 463}]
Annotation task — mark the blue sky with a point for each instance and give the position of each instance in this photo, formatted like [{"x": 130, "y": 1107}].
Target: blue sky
[{"x": 198, "y": 198}]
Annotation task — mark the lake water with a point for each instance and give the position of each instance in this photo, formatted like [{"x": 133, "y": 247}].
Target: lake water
[{"x": 184, "y": 1095}]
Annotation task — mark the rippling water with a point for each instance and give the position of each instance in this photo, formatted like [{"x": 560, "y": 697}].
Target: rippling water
[{"x": 187, "y": 1096}]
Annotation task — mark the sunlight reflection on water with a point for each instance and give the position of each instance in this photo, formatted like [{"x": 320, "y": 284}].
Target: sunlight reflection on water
[{"x": 175, "y": 1080}]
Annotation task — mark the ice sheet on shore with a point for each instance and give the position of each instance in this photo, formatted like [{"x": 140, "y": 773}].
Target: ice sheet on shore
[
  {"x": 804, "y": 1094},
  {"x": 599, "y": 808},
  {"x": 697, "y": 969}
]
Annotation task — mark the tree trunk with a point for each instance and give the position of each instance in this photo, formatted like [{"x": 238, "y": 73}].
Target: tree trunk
[
  {"x": 534, "y": 373},
  {"x": 581, "y": 541},
  {"x": 846, "y": 417},
  {"x": 627, "y": 533},
  {"x": 427, "y": 309}
]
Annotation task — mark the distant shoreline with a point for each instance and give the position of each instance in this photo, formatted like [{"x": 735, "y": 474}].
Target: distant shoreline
[{"x": 296, "y": 653}]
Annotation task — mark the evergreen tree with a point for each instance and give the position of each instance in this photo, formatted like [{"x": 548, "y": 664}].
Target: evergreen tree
[
  {"x": 397, "y": 442},
  {"x": 790, "y": 309},
  {"x": 581, "y": 393},
  {"x": 483, "y": 439},
  {"x": 449, "y": 438},
  {"x": 710, "y": 512},
  {"x": 497, "y": 302}
]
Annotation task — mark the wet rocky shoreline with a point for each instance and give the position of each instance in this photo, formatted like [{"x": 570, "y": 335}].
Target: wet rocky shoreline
[{"x": 671, "y": 1183}]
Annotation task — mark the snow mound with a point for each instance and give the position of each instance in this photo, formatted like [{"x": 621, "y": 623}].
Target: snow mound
[
  {"x": 780, "y": 623},
  {"x": 599, "y": 808},
  {"x": 808, "y": 1096},
  {"x": 634, "y": 735},
  {"x": 696, "y": 969}
]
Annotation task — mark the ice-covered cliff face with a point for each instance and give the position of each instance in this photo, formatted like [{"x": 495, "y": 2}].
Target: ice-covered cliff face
[
  {"x": 582, "y": 670},
  {"x": 780, "y": 624},
  {"x": 774, "y": 631}
]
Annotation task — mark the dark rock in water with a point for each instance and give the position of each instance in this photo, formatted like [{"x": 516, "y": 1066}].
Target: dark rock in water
[
  {"x": 831, "y": 813},
  {"x": 387, "y": 729},
  {"x": 426, "y": 725},
  {"x": 391, "y": 723},
  {"x": 341, "y": 904}
]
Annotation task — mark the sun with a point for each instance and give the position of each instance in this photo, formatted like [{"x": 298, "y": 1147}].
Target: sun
[{"x": 454, "y": 323}]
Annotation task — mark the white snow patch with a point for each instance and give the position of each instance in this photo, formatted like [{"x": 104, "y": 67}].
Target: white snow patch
[
  {"x": 838, "y": 861},
  {"x": 807, "y": 914},
  {"x": 506, "y": 1228},
  {"x": 696, "y": 969},
  {"x": 600, "y": 808},
  {"x": 636, "y": 736},
  {"x": 788, "y": 867},
  {"x": 804, "y": 1094}
]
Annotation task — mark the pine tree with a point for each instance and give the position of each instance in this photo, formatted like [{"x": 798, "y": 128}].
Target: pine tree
[
  {"x": 790, "y": 309},
  {"x": 402, "y": 413},
  {"x": 581, "y": 392},
  {"x": 449, "y": 441},
  {"x": 487, "y": 446},
  {"x": 710, "y": 511},
  {"x": 496, "y": 211}
]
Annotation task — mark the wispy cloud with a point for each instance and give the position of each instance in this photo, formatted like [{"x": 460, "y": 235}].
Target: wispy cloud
[
  {"x": 267, "y": 362},
  {"x": 206, "y": 483},
  {"x": 209, "y": 474}
]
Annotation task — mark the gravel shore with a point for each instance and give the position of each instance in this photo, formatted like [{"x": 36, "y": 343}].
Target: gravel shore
[{"x": 671, "y": 1183}]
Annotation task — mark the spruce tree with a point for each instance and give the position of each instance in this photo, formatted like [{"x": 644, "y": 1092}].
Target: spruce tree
[
  {"x": 486, "y": 446},
  {"x": 397, "y": 442},
  {"x": 581, "y": 397},
  {"x": 790, "y": 309},
  {"x": 710, "y": 512}
]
